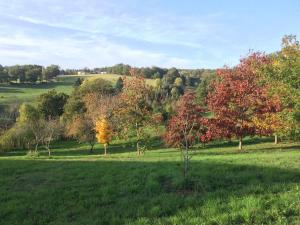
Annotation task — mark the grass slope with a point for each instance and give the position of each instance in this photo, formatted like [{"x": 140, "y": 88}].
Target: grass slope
[
  {"x": 260, "y": 185},
  {"x": 18, "y": 93}
]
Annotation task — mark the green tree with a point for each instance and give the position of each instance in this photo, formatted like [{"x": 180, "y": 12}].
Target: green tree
[
  {"x": 204, "y": 88},
  {"x": 51, "y": 104},
  {"x": 51, "y": 72},
  {"x": 31, "y": 121},
  {"x": 16, "y": 73},
  {"x": 175, "y": 92},
  {"x": 283, "y": 74},
  {"x": 3, "y": 75},
  {"x": 98, "y": 85},
  {"x": 78, "y": 82},
  {"x": 119, "y": 85},
  {"x": 178, "y": 82},
  {"x": 33, "y": 73}
]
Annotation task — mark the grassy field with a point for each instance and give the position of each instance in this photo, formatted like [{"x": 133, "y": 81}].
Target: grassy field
[
  {"x": 260, "y": 185},
  {"x": 110, "y": 77},
  {"x": 18, "y": 93}
]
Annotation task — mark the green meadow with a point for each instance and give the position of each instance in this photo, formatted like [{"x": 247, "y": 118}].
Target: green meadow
[
  {"x": 259, "y": 185},
  {"x": 18, "y": 93}
]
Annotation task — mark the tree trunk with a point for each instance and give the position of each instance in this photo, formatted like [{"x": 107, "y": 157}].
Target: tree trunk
[
  {"x": 92, "y": 148},
  {"x": 105, "y": 146},
  {"x": 241, "y": 143},
  {"x": 185, "y": 158},
  {"x": 36, "y": 147},
  {"x": 49, "y": 152},
  {"x": 138, "y": 148},
  {"x": 138, "y": 139},
  {"x": 275, "y": 139}
]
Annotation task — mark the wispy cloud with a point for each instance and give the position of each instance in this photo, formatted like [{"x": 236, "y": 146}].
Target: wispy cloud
[{"x": 76, "y": 33}]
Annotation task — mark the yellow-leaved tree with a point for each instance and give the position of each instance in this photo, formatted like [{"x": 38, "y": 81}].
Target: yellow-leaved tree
[{"x": 103, "y": 132}]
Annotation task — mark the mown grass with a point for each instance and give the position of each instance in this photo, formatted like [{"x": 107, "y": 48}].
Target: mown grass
[{"x": 260, "y": 185}]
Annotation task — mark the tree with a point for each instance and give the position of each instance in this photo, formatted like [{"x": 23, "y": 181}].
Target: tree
[
  {"x": 3, "y": 75},
  {"x": 175, "y": 92},
  {"x": 134, "y": 108},
  {"x": 78, "y": 82},
  {"x": 289, "y": 61},
  {"x": 51, "y": 104},
  {"x": 237, "y": 97},
  {"x": 32, "y": 73},
  {"x": 204, "y": 88},
  {"x": 52, "y": 130},
  {"x": 51, "y": 72},
  {"x": 283, "y": 72},
  {"x": 31, "y": 121},
  {"x": 186, "y": 127},
  {"x": 82, "y": 128},
  {"x": 74, "y": 106},
  {"x": 100, "y": 106},
  {"x": 269, "y": 123},
  {"x": 119, "y": 85},
  {"x": 96, "y": 85},
  {"x": 16, "y": 73},
  {"x": 16, "y": 137},
  {"x": 103, "y": 132},
  {"x": 178, "y": 82}
]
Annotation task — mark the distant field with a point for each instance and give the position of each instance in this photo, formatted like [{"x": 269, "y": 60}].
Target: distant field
[
  {"x": 29, "y": 92},
  {"x": 17, "y": 93},
  {"x": 111, "y": 77}
]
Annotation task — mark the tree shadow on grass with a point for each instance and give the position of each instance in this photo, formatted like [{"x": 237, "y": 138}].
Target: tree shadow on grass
[
  {"x": 48, "y": 85},
  {"x": 73, "y": 148},
  {"x": 120, "y": 192},
  {"x": 271, "y": 148},
  {"x": 234, "y": 143},
  {"x": 10, "y": 90}
]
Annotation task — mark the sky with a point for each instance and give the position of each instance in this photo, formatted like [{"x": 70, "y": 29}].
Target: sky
[{"x": 166, "y": 33}]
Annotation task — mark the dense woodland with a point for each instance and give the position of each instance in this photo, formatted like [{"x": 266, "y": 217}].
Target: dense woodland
[
  {"x": 257, "y": 97},
  {"x": 28, "y": 73}
]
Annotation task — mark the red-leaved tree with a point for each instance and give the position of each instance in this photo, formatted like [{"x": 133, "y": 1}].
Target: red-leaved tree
[
  {"x": 186, "y": 127},
  {"x": 238, "y": 96}
]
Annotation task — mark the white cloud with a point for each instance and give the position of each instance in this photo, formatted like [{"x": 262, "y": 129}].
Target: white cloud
[
  {"x": 77, "y": 33},
  {"x": 68, "y": 52}
]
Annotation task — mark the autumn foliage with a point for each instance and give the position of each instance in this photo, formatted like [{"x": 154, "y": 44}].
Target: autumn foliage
[
  {"x": 82, "y": 129},
  {"x": 187, "y": 126},
  {"x": 134, "y": 109},
  {"x": 103, "y": 132},
  {"x": 237, "y": 97}
]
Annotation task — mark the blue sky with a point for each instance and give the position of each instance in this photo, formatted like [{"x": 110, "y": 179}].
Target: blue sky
[{"x": 184, "y": 34}]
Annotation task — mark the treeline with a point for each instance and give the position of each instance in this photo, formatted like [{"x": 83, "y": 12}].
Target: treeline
[
  {"x": 146, "y": 72},
  {"x": 28, "y": 73},
  {"x": 154, "y": 71},
  {"x": 37, "y": 73}
]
